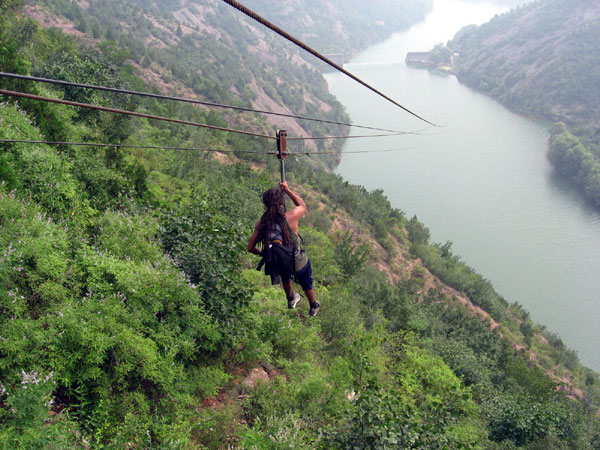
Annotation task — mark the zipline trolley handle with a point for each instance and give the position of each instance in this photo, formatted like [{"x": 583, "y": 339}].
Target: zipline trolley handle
[{"x": 282, "y": 150}]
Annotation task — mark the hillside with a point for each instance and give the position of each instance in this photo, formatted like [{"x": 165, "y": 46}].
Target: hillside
[
  {"x": 541, "y": 60},
  {"x": 209, "y": 51},
  {"x": 342, "y": 27},
  {"x": 133, "y": 317}
]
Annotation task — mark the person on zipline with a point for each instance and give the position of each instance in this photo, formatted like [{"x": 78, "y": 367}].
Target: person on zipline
[{"x": 276, "y": 233}]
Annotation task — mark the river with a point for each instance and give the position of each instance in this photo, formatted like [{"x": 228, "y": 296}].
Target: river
[{"x": 481, "y": 180}]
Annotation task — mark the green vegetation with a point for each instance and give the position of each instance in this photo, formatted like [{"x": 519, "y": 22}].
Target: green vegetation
[
  {"x": 131, "y": 314},
  {"x": 224, "y": 67},
  {"x": 576, "y": 162},
  {"x": 541, "y": 60}
]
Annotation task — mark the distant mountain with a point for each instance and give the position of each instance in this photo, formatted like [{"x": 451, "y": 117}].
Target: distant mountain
[
  {"x": 540, "y": 59},
  {"x": 543, "y": 60},
  {"x": 342, "y": 26}
]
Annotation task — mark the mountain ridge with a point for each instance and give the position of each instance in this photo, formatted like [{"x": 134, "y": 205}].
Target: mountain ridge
[
  {"x": 520, "y": 54},
  {"x": 541, "y": 60}
]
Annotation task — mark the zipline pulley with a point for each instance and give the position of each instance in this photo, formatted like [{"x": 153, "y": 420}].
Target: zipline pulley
[{"x": 282, "y": 150}]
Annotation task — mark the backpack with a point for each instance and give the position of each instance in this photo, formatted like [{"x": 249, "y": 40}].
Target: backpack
[{"x": 281, "y": 258}]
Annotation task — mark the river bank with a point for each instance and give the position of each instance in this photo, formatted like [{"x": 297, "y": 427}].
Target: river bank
[{"x": 482, "y": 181}]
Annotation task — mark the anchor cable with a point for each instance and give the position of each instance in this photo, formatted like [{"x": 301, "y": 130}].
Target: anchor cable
[
  {"x": 186, "y": 100},
  {"x": 130, "y": 113}
]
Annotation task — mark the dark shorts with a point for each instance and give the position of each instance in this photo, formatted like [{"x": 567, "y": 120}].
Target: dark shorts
[{"x": 304, "y": 277}]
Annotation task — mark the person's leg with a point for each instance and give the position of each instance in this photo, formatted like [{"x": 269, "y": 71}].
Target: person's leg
[
  {"x": 305, "y": 279},
  {"x": 310, "y": 295},
  {"x": 292, "y": 298},
  {"x": 314, "y": 304},
  {"x": 287, "y": 287}
]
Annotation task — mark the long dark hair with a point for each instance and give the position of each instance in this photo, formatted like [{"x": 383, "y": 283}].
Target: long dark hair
[{"x": 274, "y": 200}]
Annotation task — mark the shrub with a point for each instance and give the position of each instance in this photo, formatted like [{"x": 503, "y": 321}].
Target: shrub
[
  {"x": 35, "y": 269},
  {"x": 26, "y": 417},
  {"x": 427, "y": 408},
  {"x": 321, "y": 252},
  {"x": 351, "y": 257},
  {"x": 417, "y": 232},
  {"x": 45, "y": 173},
  {"x": 129, "y": 237}
]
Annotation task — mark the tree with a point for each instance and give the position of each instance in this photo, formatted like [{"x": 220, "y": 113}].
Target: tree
[
  {"x": 350, "y": 257},
  {"x": 417, "y": 232}
]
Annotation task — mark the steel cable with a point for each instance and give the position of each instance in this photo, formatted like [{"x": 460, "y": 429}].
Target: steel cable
[
  {"x": 178, "y": 121},
  {"x": 151, "y": 147},
  {"x": 351, "y": 137},
  {"x": 349, "y": 152},
  {"x": 318, "y": 55},
  {"x": 185, "y": 100},
  {"x": 198, "y": 149},
  {"x": 130, "y": 113}
]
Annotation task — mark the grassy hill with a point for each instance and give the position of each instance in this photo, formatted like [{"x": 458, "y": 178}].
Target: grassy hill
[{"x": 132, "y": 316}]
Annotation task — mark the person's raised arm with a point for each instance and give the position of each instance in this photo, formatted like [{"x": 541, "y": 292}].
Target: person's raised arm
[
  {"x": 293, "y": 216},
  {"x": 293, "y": 196}
]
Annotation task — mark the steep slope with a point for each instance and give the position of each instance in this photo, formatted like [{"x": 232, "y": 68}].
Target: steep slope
[{"x": 207, "y": 50}]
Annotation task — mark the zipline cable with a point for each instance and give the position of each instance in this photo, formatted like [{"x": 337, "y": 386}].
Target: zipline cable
[
  {"x": 198, "y": 149},
  {"x": 292, "y": 153},
  {"x": 151, "y": 147},
  {"x": 178, "y": 121},
  {"x": 187, "y": 100},
  {"x": 347, "y": 137},
  {"x": 323, "y": 58},
  {"x": 130, "y": 113}
]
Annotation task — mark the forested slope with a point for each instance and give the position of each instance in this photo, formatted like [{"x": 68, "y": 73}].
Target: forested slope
[
  {"x": 542, "y": 60},
  {"x": 132, "y": 316},
  {"x": 209, "y": 51}
]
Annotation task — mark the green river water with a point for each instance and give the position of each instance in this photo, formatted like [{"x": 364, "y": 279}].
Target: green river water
[{"x": 482, "y": 180}]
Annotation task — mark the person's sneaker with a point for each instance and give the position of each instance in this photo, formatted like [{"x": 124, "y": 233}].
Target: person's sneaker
[
  {"x": 294, "y": 301},
  {"x": 314, "y": 309}
]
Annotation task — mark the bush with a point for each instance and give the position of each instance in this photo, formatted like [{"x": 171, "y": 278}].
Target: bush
[
  {"x": 206, "y": 244},
  {"x": 426, "y": 408},
  {"x": 351, "y": 257},
  {"x": 26, "y": 418},
  {"x": 35, "y": 269},
  {"x": 417, "y": 232},
  {"x": 321, "y": 252},
  {"x": 45, "y": 173},
  {"x": 307, "y": 397},
  {"x": 128, "y": 237}
]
